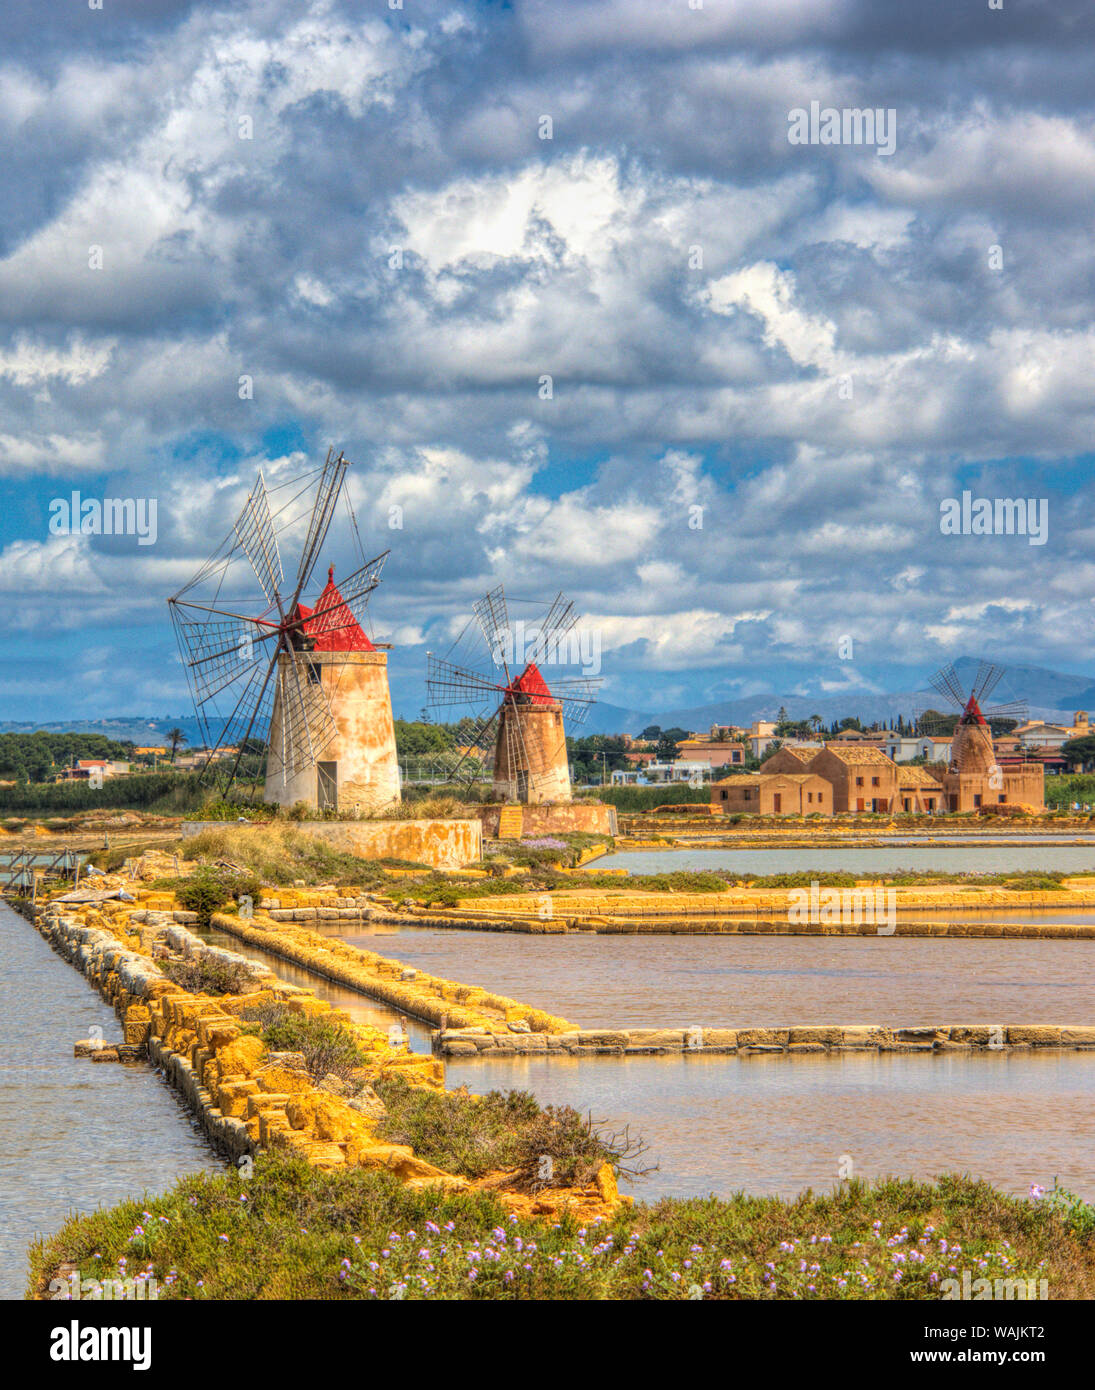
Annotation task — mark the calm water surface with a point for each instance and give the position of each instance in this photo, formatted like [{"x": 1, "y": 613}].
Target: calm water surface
[
  {"x": 361, "y": 1009},
  {"x": 767, "y": 1124},
  {"x": 632, "y": 981},
  {"x": 771, "y": 1126},
  {"x": 74, "y": 1135}
]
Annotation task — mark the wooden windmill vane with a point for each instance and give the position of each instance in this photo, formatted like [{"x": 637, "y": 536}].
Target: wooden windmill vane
[{"x": 292, "y": 695}]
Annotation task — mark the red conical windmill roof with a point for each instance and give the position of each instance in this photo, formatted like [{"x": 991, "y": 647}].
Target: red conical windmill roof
[
  {"x": 531, "y": 683},
  {"x": 330, "y": 625},
  {"x": 972, "y": 713}
]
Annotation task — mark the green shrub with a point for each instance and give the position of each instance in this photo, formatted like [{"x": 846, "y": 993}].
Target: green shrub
[
  {"x": 211, "y": 887},
  {"x": 327, "y": 1045},
  {"x": 207, "y": 975},
  {"x": 499, "y": 1132}
]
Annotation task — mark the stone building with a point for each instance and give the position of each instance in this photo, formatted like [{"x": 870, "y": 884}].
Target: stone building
[
  {"x": 788, "y": 759},
  {"x": 863, "y": 779},
  {"x": 773, "y": 794}
]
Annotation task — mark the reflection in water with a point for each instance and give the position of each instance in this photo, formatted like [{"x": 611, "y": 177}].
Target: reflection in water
[
  {"x": 772, "y": 1126},
  {"x": 972, "y": 859},
  {"x": 73, "y": 1135},
  {"x": 634, "y": 981}
]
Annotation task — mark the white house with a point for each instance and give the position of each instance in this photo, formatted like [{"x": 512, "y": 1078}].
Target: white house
[{"x": 902, "y": 748}]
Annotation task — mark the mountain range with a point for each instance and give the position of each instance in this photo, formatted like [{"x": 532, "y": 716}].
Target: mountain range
[{"x": 1050, "y": 695}]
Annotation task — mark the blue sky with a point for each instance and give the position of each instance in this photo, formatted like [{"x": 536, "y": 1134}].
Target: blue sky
[{"x": 814, "y": 346}]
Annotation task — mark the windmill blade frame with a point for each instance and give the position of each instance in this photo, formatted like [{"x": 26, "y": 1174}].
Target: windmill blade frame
[
  {"x": 327, "y": 493},
  {"x": 255, "y": 532},
  {"x": 945, "y": 682},
  {"x": 492, "y": 615},
  {"x": 461, "y": 683}
]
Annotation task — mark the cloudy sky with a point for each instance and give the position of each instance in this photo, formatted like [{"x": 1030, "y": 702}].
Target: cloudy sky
[{"x": 769, "y": 362}]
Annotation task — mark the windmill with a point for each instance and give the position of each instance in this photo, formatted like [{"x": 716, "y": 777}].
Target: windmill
[
  {"x": 972, "y": 748},
  {"x": 517, "y": 718},
  {"x": 268, "y": 672}
]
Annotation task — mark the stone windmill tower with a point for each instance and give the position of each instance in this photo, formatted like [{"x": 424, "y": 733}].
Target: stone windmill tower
[
  {"x": 346, "y": 714},
  {"x": 294, "y": 697},
  {"x": 975, "y": 780},
  {"x": 517, "y": 728}
]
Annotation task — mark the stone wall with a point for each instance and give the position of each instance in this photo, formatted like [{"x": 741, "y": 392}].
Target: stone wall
[
  {"x": 589, "y": 817},
  {"x": 442, "y": 844},
  {"x": 744, "y": 1042}
]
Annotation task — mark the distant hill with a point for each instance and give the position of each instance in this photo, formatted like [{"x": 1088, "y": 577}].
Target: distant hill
[
  {"x": 142, "y": 732},
  {"x": 1051, "y": 695}
]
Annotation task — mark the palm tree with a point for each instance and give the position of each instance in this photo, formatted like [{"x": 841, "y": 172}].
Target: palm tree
[
  {"x": 175, "y": 737},
  {"x": 815, "y": 721}
]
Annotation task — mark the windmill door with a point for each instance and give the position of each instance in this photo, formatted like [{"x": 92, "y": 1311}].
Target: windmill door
[
  {"x": 327, "y": 786},
  {"x": 777, "y": 802}
]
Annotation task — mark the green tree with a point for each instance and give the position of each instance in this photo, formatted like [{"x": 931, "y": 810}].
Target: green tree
[
  {"x": 1080, "y": 752},
  {"x": 175, "y": 737}
]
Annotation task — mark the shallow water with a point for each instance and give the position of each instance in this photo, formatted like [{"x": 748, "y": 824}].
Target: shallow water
[
  {"x": 971, "y": 859},
  {"x": 74, "y": 1135},
  {"x": 675, "y": 981},
  {"x": 773, "y": 1126}
]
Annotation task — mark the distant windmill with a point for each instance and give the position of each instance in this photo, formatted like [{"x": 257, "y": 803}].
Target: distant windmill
[
  {"x": 518, "y": 727},
  {"x": 971, "y": 749},
  {"x": 269, "y": 674}
]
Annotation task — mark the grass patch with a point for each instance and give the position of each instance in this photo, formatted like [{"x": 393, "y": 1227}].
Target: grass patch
[
  {"x": 293, "y": 1232},
  {"x": 510, "y": 1132},
  {"x": 282, "y": 854},
  {"x": 638, "y": 799}
]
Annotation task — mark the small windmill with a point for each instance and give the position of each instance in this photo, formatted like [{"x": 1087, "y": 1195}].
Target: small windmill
[
  {"x": 267, "y": 672},
  {"x": 971, "y": 749},
  {"x": 518, "y": 719}
]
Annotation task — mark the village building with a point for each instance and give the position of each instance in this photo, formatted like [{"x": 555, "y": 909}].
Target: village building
[
  {"x": 773, "y": 794},
  {"x": 713, "y": 752},
  {"x": 1037, "y": 734},
  {"x": 863, "y": 779},
  {"x": 902, "y": 748},
  {"x": 936, "y": 749},
  {"x": 761, "y": 736},
  {"x": 101, "y": 767}
]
